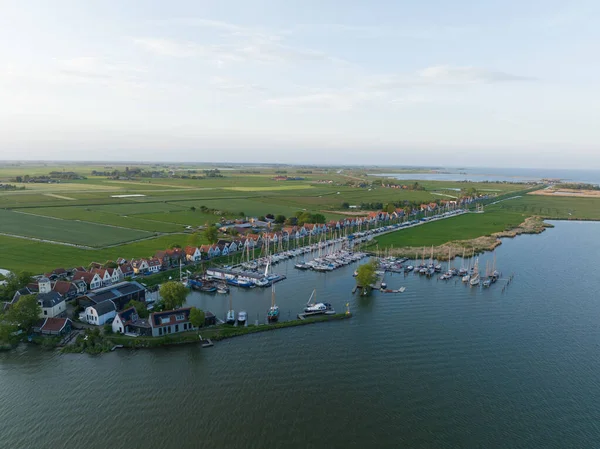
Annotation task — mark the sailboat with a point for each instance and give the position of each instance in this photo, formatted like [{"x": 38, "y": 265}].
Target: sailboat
[
  {"x": 474, "y": 281},
  {"x": 230, "y": 313},
  {"x": 463, "y": 270},
  {"x": 317, "y": 308},
  {"x": 487, "y": 281},
  {"x": 467, "y": 277},
  {"x": 273, "y": 313}
]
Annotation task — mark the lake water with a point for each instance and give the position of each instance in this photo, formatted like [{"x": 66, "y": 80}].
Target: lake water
[
  {"x": 494, "y": 174},
  {"x": 439, "y": 366}
]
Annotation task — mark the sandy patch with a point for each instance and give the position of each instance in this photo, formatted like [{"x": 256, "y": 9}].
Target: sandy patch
[
  {"x": 567, "y": 192},
  {"x": 60, "y": 197}
]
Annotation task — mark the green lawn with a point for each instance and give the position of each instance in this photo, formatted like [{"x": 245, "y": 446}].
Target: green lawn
[
  {"x": 26, "y": 255},
  {"x": 463, "y": 227},
  {"x": 68, "y": 231},
  {"x": 91, "y": 214},
  {"x": 554, "y": 207}
]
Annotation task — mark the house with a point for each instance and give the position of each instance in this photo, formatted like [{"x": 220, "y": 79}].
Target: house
[
  {"x": 215, "y": 251},
  {"x": 52, "y": 304},
  {"x": 140, "y": 266},
  {"x": 120, "y": 294},
  {"x": 81, "y": 286},
  {"x": 99, "y": 314},
  {"x": 154, "y": 265},
  {"x": 128, "y": 322},
  {"x": 96, "y": 265},
  {"x": 193, "y": 254},
  {"x": 205, "y": 251},
  {"x": 126, "y": 269},
  {"x": 76, "y": 269},
  {"x": 92, "y": 280},
  {"x": 170, "y": 257},
  {"x": 116, "y": 275},
  {"x": 170, "y": 322},
  {"x": 232, "y": 247},
  {"x": 223, "y": 249},
  {"x": 66, "y": 289},
  {"x": 54, "y": 326},
  {"x": 104, "y": 275},
  {"x": 121, "y": 261}
]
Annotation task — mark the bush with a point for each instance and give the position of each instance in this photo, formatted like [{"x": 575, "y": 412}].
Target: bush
[{"x": 108, "y": 329}]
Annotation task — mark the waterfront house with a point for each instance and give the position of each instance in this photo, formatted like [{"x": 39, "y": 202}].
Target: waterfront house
[
  {"x": 140, "y": 266},
  {"x": 76, "y": 269},
  {"x": 126, "y": 269},
  {"x": 170, "y": 322},
  {"x": 104, "y": 275},
  {"x": 121, "y": 261},
  {"x": 215, "y": 250},
  {"x": 154, "y": 265},
  {"x": 53, "y": 326},
  {"x": 129, "y": 322},
  {"x": 223, "y": 249},
  {"x": 170, "y": 257},
  {"x": 116, "y": 275},
  {"x": 120, "y": 294},
  {"x": 81, "y": 286},
  {"x": 232, "y": 247},
  {"x": 52, "y": 304},
  {"x": 92, "y": 280},
  {"x": 99, "y": 314},
  {"x": 193, "y": 254}
]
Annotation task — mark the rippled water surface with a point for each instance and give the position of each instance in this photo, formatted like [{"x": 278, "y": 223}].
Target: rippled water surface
[{"x": 439, "y": 366}]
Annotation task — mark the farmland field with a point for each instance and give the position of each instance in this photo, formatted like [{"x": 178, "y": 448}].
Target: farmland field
[
  {"x": 26, "y": 255},
  {"x": 69, "y": 231}
]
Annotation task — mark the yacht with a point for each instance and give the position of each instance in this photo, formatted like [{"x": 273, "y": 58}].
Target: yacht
[{"x": 242, "y": 317}]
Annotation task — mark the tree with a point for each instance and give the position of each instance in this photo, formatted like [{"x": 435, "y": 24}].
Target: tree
[
  {"x": 173, "y": 294},
  {"x": 194, "y": 239},
  {"x": 280, "y": 219},
  {"x": 390, "y": 208},
  {"x": 211, "y": 234},
  {"x": 110, "y": 265},
  {"x": 366, "y": 275},
  {"x": 175, "y": 245},
  {"x": 140, "y": 307},
  {"x": 270, "y": 216},
  {"x": 345, "y": 205},
  {"x": 318, "y": 218},
  {"x": 193, "y": 208},
  {"x": 262, "y": 218},
  {"x": 197, "y": 317},
  {"x": 25, "y": 313}
]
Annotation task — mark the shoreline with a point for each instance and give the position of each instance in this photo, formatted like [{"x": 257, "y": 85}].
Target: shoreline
[
  {"x": 531, "y": 225},
  {"x": 101, "y": 343}
]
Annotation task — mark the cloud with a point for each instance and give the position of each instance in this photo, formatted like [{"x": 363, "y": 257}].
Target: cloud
[
  {"x": 234, "y": 86},
  {"x": 257, "y": 50},
  {"x": 462, "y": 75}
]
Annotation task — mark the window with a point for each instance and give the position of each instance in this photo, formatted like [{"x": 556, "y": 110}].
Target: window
[
  {"x": 177, "y": 328},
  {"x": 160, "y": 331},
  {"x": 45, "y": 312},
  {"x": 180, "y": 317},
  {"x": 184, "y": 326}
]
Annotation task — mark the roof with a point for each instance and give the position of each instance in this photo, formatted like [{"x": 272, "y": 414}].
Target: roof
[
  {"x": 114, "y": 291},
  {"x": 154, "y": 262},
  {"x": 104, "y": 307},
  {"x": 126, "y": 268},
  {"x": 54, "y": 324},
  {"x": 100, "y": 271},
  {"x": 190, "y": 250},
  {"x": 62, "y": 287},
  {"x": 156, "y": 319},
  {"x": 59, "y": 271},
  {"x": 84, "y": 275},
  {"x": 130, "y": 317},
  {"x": 79, "y": 269},
  {"x": 50, "y": 299}
]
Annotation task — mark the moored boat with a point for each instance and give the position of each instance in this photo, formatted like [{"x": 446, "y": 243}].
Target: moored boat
[
  {"x": 273, "y": 313},
  {"x": 242, "y": 317}
]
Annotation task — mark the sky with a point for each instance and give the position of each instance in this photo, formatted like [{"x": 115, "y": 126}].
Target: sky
[{"x": 467, "y": 83}]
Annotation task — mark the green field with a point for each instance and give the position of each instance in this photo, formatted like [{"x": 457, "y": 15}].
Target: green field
[
  {"x": 25, "y": 255},
  {"x": 85, "y": 211},
  {"x": 569, "y": 208},
  {"x": 68, "y": 231},
  {"x": 462, "y": 227}
]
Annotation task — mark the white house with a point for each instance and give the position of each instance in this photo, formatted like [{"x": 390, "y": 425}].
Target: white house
[
  {"x": 154, "y": 265},
  {"x": 99, "y": 314},
  {"x": 170, "y": 322},
  {"x": 104, "y": 275},
  {"x": 140, "y": 266},
  {"x": 232, "y": 247},
  {"x": 92, "y": 280},
  {"x": 193, "y": 254},
  {"x": 52, "y": 304},
  {"x": 116, "y": 275}
]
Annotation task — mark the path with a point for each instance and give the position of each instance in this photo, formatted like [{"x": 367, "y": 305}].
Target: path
[{"x": 60, "y": 197}]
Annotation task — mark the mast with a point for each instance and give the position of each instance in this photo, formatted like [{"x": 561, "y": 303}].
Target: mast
[{"x": 272, "y": 296}]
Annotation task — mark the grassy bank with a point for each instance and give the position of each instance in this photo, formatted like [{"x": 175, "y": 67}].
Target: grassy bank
[{"x": 97, "y": 343}]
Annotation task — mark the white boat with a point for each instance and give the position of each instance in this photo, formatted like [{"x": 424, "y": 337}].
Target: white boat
[
  {"x": 230, "y": 314},
  {"x": 475, "y": 276},
  {"x": 242, "y": 317}
]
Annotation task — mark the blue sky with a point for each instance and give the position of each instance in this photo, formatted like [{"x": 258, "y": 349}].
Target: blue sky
[{"x": 433, "y": 82}]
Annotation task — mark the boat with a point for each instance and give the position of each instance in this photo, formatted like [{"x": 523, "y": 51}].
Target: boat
[
  {"x": 409, "y": 269},
  {"x": 383, "y": 285},
  {"x": 317, "y": 308},
  {"x": 223, "y": 289},
  {"x": 474, "y": 281},
  {"x": 242, "y": 317},
  {"x": 273, "y": 313},
  {"x": 355, "y": 273},
  {"x": 230, "y": 314},
  {"x": 302, "y": 266},
  {"x": 207, "y": 288}
]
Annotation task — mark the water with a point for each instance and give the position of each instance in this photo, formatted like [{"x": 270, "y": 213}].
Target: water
[
  {"x": 440, "y": 366},
  {"x": 493, "y": 174}
]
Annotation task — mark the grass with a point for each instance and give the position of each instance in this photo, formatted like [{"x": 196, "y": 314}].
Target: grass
[
  {"x": 69, "y": 231},
  {"x": 25, "y": 255},
  {"x": 462, "y": 227},
  {"x": 565, "y": 208}
]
